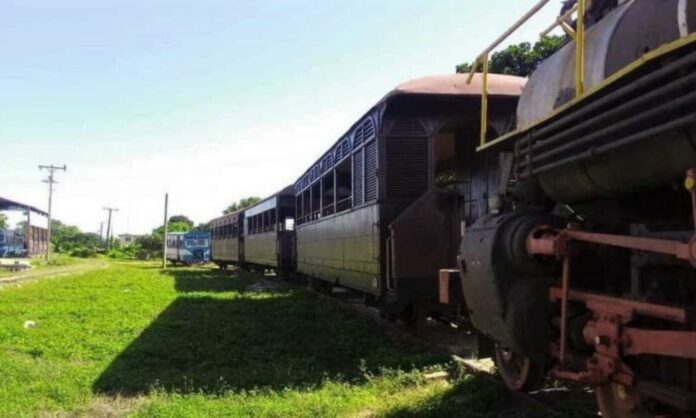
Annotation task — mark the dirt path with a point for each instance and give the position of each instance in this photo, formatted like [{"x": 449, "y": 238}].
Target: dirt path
[{"x": 51, "y": 272}]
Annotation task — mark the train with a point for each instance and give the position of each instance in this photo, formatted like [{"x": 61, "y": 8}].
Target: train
[
  {"x": 188, "y": 248},
  {"x": 554, "y": 215}
]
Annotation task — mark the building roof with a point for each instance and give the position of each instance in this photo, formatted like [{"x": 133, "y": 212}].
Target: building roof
[{"x": 7, "y": 204}]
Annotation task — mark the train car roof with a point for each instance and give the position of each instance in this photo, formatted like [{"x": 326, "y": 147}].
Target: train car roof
[
  {"x": 455, "y": 84},
  {"x": 269, "y": 202},
  {"x": 188, "y": 233},
  {"x": 447, "y": 85},
  {"x": 226, "y": 219}
]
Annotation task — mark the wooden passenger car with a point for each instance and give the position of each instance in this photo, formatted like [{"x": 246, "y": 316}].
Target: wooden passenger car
[
  {"x": 269, "y": 232},
  {"x": 226, "y": 239},
  {"x": 378, "y": 212}
]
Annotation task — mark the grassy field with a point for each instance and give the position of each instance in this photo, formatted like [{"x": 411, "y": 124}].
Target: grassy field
[
  {"x": 131, "y": 340},
  {"x": 39, "y": 265}
]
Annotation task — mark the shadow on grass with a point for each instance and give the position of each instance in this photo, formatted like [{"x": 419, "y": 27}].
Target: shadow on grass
[
  {"x": 199, "y": 279},
  {"x": 274, "y": 339},
  {"x": 471, "y": 396}
]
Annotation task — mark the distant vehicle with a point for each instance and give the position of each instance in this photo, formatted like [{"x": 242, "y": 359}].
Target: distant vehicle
[
  {"x": 12, "y": 243},
  {"x": 188, "y": 247}
]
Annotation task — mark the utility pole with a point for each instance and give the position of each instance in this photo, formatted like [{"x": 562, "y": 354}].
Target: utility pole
[
  {"x": 166, "y": 230},
  {"x": 50, "y": 180},
  {"x": 108, "y": 227},
  {"x": 101, "y": 229}
]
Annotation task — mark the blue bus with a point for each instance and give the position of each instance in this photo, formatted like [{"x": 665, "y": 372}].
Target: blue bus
[
  {"x": 188, "y": 247},
  {"x": 12, "y": 243}
]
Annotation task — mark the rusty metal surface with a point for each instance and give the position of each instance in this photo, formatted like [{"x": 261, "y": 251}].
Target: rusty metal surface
[
  {"x": 446, "y": 280},
  {"x": 668, "y": 313},
  {"x": 553, "y": 83},
  {"x": 424, "y": 237},
  {"x": 455, "y": 84},
  {"x": 664, "y": 343},
  {"x": 620, "y": 38}
]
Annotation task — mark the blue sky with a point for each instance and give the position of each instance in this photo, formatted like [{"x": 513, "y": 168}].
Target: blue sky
[{"x": 210, "y": 101}]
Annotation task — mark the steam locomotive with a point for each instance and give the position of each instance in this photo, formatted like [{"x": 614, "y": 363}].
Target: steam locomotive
[{"x": 555, "y": 215}]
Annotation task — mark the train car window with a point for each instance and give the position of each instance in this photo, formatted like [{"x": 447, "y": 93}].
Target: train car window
[
  {"x": 298, "y": 207},
  {"x": 316, "y": 201},
  {"x": 327, "y": 194},
  {"x": 371, "y": 171},
  {"x": 272, "y": 222},
  {"x": 307, "y": 208},
  {"x": 289, "y": 224},
  {"x": 359, "y": 177},
  {"x": 344, "y": 185}
]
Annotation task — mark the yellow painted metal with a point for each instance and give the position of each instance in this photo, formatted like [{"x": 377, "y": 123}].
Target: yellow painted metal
[
  {"x": 483, "y": 58},
  {"x": 484, "y": 101},
  {"x": 563, "y": 19},
  {"x": 580, "y": 49},
  {"x": 635, "y": 65},
  {"x": 568, "y": 30}
]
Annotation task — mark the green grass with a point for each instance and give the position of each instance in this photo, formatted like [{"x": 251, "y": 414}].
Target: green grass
[
  {"x": 40, "y": 264},
  {"x": 131, "y": 340}
]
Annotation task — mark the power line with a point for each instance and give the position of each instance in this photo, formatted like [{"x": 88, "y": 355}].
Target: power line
[
  {"x": 50, "y": 180},
  {"x": 108, "y": 227}
]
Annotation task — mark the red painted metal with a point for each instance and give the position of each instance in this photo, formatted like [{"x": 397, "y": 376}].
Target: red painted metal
[
  {"x": 668, "y": 313},
  {"x": 565, "y": 289},
  {"x": 663, "y": 343},
  {"x": 684, "y": 251},
  {"x": 608, "y": 331},
  {"x": 446, "y": 277}
]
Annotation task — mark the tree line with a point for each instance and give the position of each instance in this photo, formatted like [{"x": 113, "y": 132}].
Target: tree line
[{"x": 521, "y": 59}]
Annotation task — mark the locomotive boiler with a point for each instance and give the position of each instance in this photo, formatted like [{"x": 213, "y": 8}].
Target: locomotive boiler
[{"x": 585, "y": 269}]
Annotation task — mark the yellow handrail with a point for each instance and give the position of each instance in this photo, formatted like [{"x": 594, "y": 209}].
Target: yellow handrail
[
  {"x": 563, "y": 19},
  {"x": 580, "y": 50},
  {"x": 578, "y": 35}
]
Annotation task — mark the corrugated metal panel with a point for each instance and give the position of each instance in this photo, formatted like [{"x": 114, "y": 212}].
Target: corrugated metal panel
[
  {"x": 407, "y": 129},
  {"x": 371, "y": 171},
  {"x": 407, "y": 160},
  {"x": 358, "y": 178}
]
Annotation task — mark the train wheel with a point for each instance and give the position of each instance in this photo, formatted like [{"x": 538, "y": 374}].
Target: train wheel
[
  {"x": 519, "y": 373},
  {"x": 618, "y": 401}
]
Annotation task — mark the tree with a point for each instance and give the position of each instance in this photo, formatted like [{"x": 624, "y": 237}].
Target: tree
[
  {"x": 521, "y": 59},
  {"x": 243, "y": 203},
  {"x": 148, "y": 247},
  {"x": 172, "y": 227},
  {"x": 3, "y": 221},
  {"x": 202, "y": 227},
  {"x": 70, "y": 240},
  {"x": 181, "y": 219}
]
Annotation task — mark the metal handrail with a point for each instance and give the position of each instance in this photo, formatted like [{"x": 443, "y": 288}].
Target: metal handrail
[{"x": 578, "y": 35}]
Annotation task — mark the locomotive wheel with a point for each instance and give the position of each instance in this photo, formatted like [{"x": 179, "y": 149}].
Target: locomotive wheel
[
  {"x": 618, "y": 401},
  {"x": 519, "y": 373}
]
